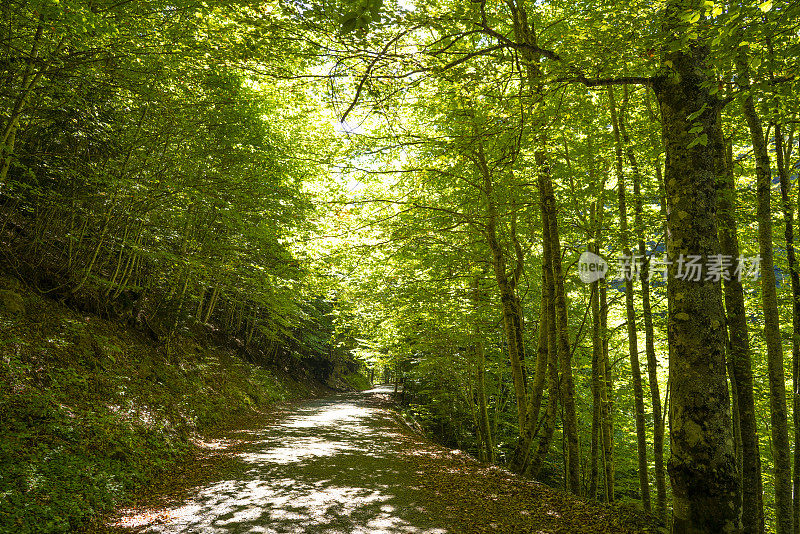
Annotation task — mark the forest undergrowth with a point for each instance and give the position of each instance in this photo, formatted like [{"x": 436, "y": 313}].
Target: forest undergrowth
[{"x": 92, "y": 411}]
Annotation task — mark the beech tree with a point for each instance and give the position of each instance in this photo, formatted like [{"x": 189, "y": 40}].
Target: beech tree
[
  {"x": 676, "y": 61},
  {"x": 430, "y": 174}
]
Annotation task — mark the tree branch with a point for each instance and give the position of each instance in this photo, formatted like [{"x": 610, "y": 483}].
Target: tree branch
[
  {"x": 369, "y": 70},
  {"x": 600, "y": 82},
  {"x": 471, "y": 55}
]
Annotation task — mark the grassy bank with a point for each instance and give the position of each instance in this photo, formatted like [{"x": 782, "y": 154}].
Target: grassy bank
[{"x": 90, "y": 411}]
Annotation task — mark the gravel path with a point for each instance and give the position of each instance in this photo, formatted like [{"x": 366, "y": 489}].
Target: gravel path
[
  {"x": 346, "y": 464},
  {"x": 331, "y": 465}
]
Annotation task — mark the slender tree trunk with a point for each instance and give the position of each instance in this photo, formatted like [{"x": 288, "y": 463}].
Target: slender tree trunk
[
  {"x": 607, "y": 399},
  {"x": 88, "y": 271},
  {"x": 119, "y": 261},
  {"x": 739, "y": 347},
  {"x": 599, "y": 396},
  {"x": 630, "y": 313},
  {"x": 562, "y": 332},
  {"x": 604, "y": 367},
  {"x": 539, "y": 379},
  {"x": 525, "y": 32},
  {"x": 27, "y": 85},
  {"x": 795, "y": 367},
  {"x": 483, "y": 410},
  {"x": 201, "y": 301},
  {"x": 480, "y": 371},
  {"x": 241, "y": 316},
  {"x": 737, "y": 427},
  {"x": 652, "y": 371},
  {"x": 181, "y": 300},
  {"x": 251, "y": 330},
  {"x": 75, "y": 243},
  {"x": 597, "y": 351},
  {"x": 499, "y": 406},
  {"x": 512, "y": 314},
  {"x": 551, "y": 413},
  {"x": 647, "y": 315},
  {"x": 769, "y": 298},
  {"x": 129, "y": 266},
  {"x": 548, "y": 337},
  {"x": 469, "y": 391},
  {"x": 8, "y": 151},
  {"x": 211, "y": 305},
  {"x": 783, "y": 157},
  {"x": 597, "y": 355}
]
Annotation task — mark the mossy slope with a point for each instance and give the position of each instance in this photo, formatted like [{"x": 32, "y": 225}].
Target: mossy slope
[{"x": 90, "y": 410}]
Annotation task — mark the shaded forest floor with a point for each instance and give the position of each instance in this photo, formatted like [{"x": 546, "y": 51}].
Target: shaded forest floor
[
  {"x": 346, "y": 464},
  {"x": 92, "y": 409}
]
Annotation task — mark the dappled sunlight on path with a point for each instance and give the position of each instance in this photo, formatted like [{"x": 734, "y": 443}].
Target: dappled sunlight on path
[
  {"x": 346, "y": 464},
  {"x": 332, "y": 465}
]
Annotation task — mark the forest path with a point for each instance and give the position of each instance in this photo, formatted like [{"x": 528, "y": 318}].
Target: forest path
[{"x": 346, "y": 464}]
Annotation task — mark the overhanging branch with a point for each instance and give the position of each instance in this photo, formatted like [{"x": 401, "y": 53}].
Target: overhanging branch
[
  {"x": 372, "y": 64},
  {"x": 622, "y": 80}
]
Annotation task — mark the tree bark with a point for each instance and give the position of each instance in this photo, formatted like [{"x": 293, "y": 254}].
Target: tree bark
[
  {"x": 783, "y": 155},
  {"x": 630, "y": 313},
  {"x": 769, "y": 299},
  {"x": 570, "y": 419},
  {"x": 548, "y": 336},
  {"x": 647, "y": 315},
  {"x": 597, "y": 356},
  {"x": 512, "y": 313},
  {"x": 598, "y": 383},
  {"x": 652, "y": 362},
  {"x": 534, "y": 423},
  {"x": 607, "y": 399},
  {"x": 702, "y": 465},
  {"x": 212, "y": 303},
  {"x": 739, "y": 347},
  {"x": 484, "y": 427}
]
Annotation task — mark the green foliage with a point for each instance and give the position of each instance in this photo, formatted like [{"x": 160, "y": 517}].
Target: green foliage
[
  {"x": 357, "y": 381},
  {"x": 175, "y": 165},
  {"x": 451, "y": 90},
  {"x": 83, "y": 431},
  {"x": 361, "y": 15},
  {"x": 62, "y": 465},
  {"x": 184, "y": 202}
]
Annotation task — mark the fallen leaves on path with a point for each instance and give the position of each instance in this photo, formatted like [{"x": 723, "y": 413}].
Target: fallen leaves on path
[
  {"x": 458, "y": 493},
  {"x": 472, "y": 497}
]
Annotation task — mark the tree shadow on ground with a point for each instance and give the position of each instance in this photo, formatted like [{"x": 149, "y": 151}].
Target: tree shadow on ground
[
  {"x": 346, "y": 465},
  {"x": 329, "y": 466}
]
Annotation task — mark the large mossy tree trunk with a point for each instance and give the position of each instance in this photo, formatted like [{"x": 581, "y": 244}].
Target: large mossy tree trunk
[{"x": 702, "y": 465}]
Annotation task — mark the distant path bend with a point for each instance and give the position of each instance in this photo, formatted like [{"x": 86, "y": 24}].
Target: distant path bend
[{"x": 346, "y": 465}]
